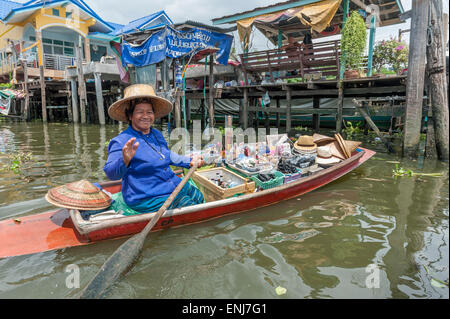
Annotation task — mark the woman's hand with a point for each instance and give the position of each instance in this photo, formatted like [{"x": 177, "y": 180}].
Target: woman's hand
[
  {"x": 198, "y": 160},
  {"x": 129, "y": 150}
]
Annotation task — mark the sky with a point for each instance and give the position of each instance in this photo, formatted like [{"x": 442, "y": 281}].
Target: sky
[{"x": 124, "y": 11}]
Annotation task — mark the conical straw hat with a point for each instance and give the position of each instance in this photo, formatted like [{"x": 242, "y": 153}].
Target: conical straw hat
[
  {"x": 161, "y": 106},
  {"x": 336, "y": 150},
  {"x": 81, "y": 195},
  {"x": 352, "y": 145},
  {"x": 342, "y": 145},
  {"x": 320, "y": 139}
]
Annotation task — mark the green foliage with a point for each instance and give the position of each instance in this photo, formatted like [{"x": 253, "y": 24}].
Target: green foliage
[
  {"x": 5, "y": 85},
  {"x": 353, "y": 41},
  {"x": 295, "y": 80},
  {"x": 397, "y": 172},
  {"x": 16, "y": 162},
  {"x": 301, "y": 128},
  {"x": 392, "y": 54},
  {"x": 352, "y": 130}
]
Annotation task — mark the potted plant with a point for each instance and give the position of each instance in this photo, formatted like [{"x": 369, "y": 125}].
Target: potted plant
[
  {"x": 390, "y": 55},
  {"x": 353, "y": 44}
]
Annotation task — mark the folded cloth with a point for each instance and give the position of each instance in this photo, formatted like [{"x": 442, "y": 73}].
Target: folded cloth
[{"x": 188, "y": 196}]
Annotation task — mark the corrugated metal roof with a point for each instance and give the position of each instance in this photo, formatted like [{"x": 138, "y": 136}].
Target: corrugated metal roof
[
  {"x": 102, "y": 26},
  {"x": 138, "y": 24},
  {"x": 6, "y": 7},
  {"x": 190, "y": 23},
  {"x": 391, "y": 9}
]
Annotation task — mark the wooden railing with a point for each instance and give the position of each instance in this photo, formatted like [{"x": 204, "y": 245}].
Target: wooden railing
[{"x": 320, "y": 57}]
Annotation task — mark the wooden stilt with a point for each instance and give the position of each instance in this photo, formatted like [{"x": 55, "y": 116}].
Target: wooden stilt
[
  {"x": 177, "y": 111},
  {"x": 43, "y": 97},
  {"x": 340, "y": 106},
  {"x": 438, "y": 81},
  {"x": 26, "y": 111},
  {"x": 211, "y": 90},
  {"x": 316, "y": 117},
  {"x": 288, "y": 109},
  {"x": 415, "y": 80},
  {"x": 278, "y": 113},
  {"x": 362, "y": 111},
  {"x": 81, "y": 85},
  {"x": 69, "y": 102},
  {"x": 245, "y": 110},
  {"x": 73, "y": 87}
]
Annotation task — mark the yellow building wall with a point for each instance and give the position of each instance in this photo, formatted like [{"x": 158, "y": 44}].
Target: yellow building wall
[
  {"x": 44, "y": 18},
  {"x": 14, "y": 34}
]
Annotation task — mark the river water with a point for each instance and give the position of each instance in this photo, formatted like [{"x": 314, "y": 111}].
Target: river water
[{"x": 366, "y": 235}]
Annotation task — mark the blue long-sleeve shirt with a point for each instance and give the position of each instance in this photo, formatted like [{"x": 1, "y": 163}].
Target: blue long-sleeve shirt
[{"x": 148, "y": 174}]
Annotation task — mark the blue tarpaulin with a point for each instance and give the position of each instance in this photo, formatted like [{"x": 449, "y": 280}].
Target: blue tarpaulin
[{"x": 174, "y": 44}]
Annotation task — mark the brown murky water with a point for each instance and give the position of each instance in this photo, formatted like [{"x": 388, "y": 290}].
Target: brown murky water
[{"x": 320, "y": 245}]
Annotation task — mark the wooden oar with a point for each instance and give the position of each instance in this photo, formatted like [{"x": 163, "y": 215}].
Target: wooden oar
[{"x": 123, "y": 258}]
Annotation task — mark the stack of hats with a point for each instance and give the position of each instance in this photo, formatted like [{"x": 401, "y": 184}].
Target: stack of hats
[
  {"x": 81, "y": 195},
  {"x": 305, "y": 145},
  {"x": 325, "y": 158},
  {"x": 338, "y": 147}
]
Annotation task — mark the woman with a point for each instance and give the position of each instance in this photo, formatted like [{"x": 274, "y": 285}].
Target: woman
[{"x": 141, "y": 158}]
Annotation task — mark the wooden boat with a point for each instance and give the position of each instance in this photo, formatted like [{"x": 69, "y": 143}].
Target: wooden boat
[{"x": 66, "y": 228}]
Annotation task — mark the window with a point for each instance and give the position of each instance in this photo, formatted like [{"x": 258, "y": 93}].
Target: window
[
  {"x": 32, "y": 38},
  {"x": 58, "y": 50},
  {"x": 58, "y": 47},
  {"x": 48, "y": 49},
  {"x": 68, "y": 15},
  {"x": 55, "y": 12}
]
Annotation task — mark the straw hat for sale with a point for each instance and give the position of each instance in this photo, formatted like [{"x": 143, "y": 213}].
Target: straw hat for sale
[
  {"x": 320, "y": 139},
  {"x": 161, "y": 106},
  {"x": 305, "y": 144},
  {"x": 336, "y": 150},
  {"x": 81, "y": 195},
  {"x": 342, "y": 145},
  {"x": 352, "y": 145},
  {"x": 325, "y": 156}
]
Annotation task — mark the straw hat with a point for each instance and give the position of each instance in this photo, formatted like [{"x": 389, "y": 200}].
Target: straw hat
[
  {"x": 161, "y": 106},
  {"x": 352, "y": 145},
  {"x": 336, "y": 150},
  {"x": 81, "y": 195},
  {"x": 322, "y": 139},
  {"x": 342, "y": 145},
  {"x": 325, "y": 156},
  {"x": 305, "y": 144}
]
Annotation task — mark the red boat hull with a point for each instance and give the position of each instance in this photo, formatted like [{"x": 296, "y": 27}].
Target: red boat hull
[{"x": 56, "y": 230}]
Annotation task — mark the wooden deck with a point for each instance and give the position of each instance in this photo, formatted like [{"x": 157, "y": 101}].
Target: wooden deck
[{"x": 362, "y": 88}]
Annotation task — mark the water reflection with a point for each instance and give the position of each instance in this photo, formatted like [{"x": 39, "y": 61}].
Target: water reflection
[{"x": 316, "y": 246}]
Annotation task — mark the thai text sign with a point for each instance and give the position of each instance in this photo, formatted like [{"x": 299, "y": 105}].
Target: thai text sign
[{"x": 174, "y": 44}]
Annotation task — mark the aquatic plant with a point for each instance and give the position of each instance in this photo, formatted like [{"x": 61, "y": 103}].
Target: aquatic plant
[
  {"x": 301, "y": 128},
  {"x": 352, "y": 130},
  {"x": 16, "y": 161},
  {"x": 434, "y": 281},
  {"x": 400, "y": 171}
]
